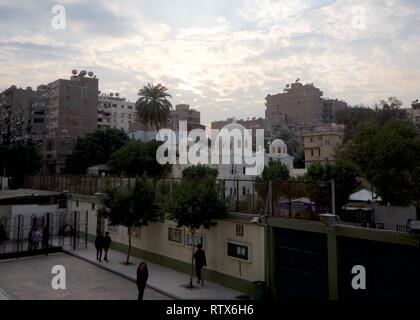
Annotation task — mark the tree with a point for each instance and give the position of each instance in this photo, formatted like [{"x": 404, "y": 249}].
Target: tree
[
  {"x": 344, "y": 174},
  {"x": 138, "y": 158},
  {"x": 153, "y": 106},
  {"x": 18, "y": 160},
  {"x": 388, "y": 158},
  {"x": 95, "y": 148},
  {"x": 374, "y": 117},
  {"x": 196, "y": 203},
  {"x": 275, "y": 171},
  {"x": 130, "y": 208}
]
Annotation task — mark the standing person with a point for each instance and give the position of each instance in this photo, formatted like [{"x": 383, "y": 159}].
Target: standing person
[
  {"x": 3, "y": 234},
  {"x": 45, "y": 238},
  {"x": 200, "y": 262},
  {"x": 99, "y": 244},
  {"x": 142, "y": 276},
  {"x": 107, "y": 244},
  {"x": 31, "y": 236}
]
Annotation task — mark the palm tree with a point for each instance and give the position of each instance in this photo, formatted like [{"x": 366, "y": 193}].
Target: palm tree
[{"x": 153, "y": 107}]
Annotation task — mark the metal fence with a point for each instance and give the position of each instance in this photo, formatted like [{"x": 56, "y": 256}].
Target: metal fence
[
  {"x": 26, "y": 235},
  {"x": 294, "y": 198}
]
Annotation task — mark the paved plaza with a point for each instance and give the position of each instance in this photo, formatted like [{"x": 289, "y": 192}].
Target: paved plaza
[
  {"x": 30, "y": 278},
  {"x": 165, "y": 280}
]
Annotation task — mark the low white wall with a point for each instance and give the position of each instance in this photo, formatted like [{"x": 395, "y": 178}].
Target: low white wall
[
  {"x": 154, "y": 239},
  {"x": 393, "y": 216}
]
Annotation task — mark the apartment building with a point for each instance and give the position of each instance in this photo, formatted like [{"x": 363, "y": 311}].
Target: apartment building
[
  {"x": 72, "y": 113},
  {"x": 321, "y": 144},
  {"x": 182, "y": 112},
  {"x": 115, "y": 112},
  {"x": 23, "y": 114},
  {"x": 299, "y": 105}
]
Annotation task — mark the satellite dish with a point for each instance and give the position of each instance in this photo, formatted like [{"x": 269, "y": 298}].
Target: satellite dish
[
  {"x": 90, "y": 73},
  {"x": 111, "y": 94},
  {"x": 74, "y": 71},
  {"x": 117, "y": 94},
  {"x": 82, "y": 73},
  {"x": 29, "y": 88}
]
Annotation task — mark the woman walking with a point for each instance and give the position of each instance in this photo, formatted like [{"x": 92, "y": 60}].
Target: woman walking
[
  {"x": 99, "y": 245},
  {"x": 142, "y": 276}
]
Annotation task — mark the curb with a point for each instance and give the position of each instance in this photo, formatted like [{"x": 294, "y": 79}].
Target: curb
[{"x": 103, "y": 266}]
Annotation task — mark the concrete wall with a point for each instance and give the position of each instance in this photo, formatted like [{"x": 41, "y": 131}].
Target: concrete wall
[
  {"x": 393, "y": 216},
  {"x": 152, "y": 242}
]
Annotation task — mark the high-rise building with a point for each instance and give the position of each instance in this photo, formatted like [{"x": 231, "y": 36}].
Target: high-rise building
[
  {"x": 72, "y": 114},
  {"x": 23, "y": 114},
  {"x": 115, "y": 112},
  {"x": 299, "y": 105}
]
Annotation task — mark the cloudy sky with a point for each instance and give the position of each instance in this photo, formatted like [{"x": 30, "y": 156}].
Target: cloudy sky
[{"x": 220, "y": 56}]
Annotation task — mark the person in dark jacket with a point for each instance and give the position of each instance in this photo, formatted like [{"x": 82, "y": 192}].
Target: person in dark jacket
[
  {"x": 200, "y": 262},
  {"x": 99, "y": 245},
  {"x": 107, "y": 244},
  {"x": 142, "y": 276}
]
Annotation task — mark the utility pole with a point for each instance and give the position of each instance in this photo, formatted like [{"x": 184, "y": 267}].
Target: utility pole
[{"x": 332, "y": 196}]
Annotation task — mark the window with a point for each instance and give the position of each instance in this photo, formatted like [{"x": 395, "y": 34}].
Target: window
[
  {"x": 244, "y": 190},
  {"x": 77, "y": 204},
  {"x": 312, "y": 152},
  {"x": 93, "y": 205},
  {"x": 130, "y": 107},
  {"x": 239, "y": 229},
  {"x": 238, "y": 251},
  {"x": 243, "y": 170}
]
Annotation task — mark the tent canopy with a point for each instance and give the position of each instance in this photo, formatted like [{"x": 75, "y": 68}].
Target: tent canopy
[{"x": 365, "y": 196}]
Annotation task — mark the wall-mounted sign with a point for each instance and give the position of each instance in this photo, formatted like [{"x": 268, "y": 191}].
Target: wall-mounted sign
[
  {"x": 198, "y": 239},
  {"x": 238, "y": 250},
  {"x": 175, "y": 235}
]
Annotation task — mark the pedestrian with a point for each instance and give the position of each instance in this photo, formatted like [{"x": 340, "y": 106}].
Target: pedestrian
[
  {"x": 142, "y": 276},
  {"x": 36, "y": 237},
  {"x": 107, "y": 244},
  {"x": 45, "y": 238},
  {"x": 3, "y": 234},
  {"x": 200, "y": 262},
  {"x": 31, "y": 237},
  {"x": 99, "y": 244}
]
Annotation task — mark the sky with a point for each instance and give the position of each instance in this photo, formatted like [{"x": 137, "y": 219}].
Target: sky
[{"x": 221, "y": 57}]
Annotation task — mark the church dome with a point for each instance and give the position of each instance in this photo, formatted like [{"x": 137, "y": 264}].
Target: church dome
[{"x": 278, "y": 146}]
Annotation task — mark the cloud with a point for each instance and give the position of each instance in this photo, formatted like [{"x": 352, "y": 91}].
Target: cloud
[{"x": 223, "y": 57}]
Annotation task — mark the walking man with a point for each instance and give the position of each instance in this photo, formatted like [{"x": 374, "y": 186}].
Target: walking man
[
  {"x": 200, "y": 262},
  {"x": 107, "y": 244},
  {"x": 99, "y": 244},
  {"x": 142, "y": 276}
]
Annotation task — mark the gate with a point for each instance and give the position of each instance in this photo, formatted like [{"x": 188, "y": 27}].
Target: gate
[{"x": 26, "y": 235}]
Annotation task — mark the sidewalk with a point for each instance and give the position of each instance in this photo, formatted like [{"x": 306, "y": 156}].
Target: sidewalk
[{"x": 161, "y": 279}]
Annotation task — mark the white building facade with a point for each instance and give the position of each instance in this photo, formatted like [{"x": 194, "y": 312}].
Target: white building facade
[{"x": 115, "y": 112}]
